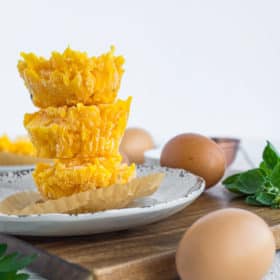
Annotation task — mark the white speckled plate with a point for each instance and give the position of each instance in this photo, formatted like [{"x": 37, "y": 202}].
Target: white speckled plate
[
  {"x": 178, "y": 189},
  {"x": 152, "y": 156}
]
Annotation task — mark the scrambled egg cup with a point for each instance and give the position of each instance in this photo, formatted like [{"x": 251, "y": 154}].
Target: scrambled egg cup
[
  {"x": 21, "y": 145},
  {"x": 17, "y": 152},
  {"x": 67, "y": 177},
  {"x": 78, "y": 131},
  {"x": 72, "y": 77}
]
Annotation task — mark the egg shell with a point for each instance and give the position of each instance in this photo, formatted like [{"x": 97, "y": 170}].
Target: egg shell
[
  {"x": 197, "y": 154},
  {"x": 135, "y": 142},
  {"x": 228, "y": 244}
]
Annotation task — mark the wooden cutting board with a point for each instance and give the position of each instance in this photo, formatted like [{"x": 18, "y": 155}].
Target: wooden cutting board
[{"x": 146, "y": 252}]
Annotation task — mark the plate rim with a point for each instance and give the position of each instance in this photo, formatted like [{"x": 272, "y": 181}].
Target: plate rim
[
  {"x": 16, "y": 168},
  {"x": 108, "y": 213},
  {"x": 191, "y": 196}
]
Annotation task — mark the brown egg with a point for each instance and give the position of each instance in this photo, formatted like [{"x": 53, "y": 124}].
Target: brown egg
[
  {"x": 135, "y": 142},
  {"x": 197, "y": 154},
  {"x": 229, "y": 244}
]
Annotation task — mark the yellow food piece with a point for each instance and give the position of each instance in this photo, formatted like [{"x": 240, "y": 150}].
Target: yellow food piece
[
  {"x": 71, "y": 77},
  {"x": 65, "y": 178},
  {"x": 21, "y": 146},
  {"x": 78, "y": 131}
]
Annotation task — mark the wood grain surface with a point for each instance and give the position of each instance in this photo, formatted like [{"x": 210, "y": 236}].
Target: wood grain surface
[{"x": 146, "y": 252}]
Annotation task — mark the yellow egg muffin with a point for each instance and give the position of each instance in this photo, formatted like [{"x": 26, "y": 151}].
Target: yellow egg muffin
[
  {"x": 72, "y": 77},
  {"x": 65, "y": 178},
  {"x": 78, "y": 131},
  {"x": 21, "y": 145}
]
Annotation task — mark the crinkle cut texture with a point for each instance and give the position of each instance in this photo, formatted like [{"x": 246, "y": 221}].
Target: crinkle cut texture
[
  {"x": 65, "y": 178},
  {"x": 72, "y": 77},
  {"x": 78, "y": 131}
]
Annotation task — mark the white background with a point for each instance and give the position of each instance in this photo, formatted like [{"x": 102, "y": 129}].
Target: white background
[{"x": 204, "y": 66}]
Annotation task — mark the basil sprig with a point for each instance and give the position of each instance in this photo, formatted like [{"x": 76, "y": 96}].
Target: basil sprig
[
  {"x": 11, "y": 264},
  {"x": 260, "y": 186}
]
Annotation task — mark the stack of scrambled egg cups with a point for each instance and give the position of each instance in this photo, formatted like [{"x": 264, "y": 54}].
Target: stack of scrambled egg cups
[{"x": 80, "y": 123}]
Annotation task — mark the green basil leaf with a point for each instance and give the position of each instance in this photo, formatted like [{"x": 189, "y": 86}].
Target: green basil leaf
[
  {"x": 23, "y": 262},
  {"x": 232, "y": 183},
  {"x": 10, "y": 264},
  {"x": 270, "y": 155},
  {"x": 14, "y": 262},
  {"x": 265, "y": 169},
  {"x": 22, "y": 276},
  {"x": 8, "y": 275},
  {"x": 265, "y": 198},
  {"x": 275, "y": 175},
  {"x": 251, "y": 181},
  {"x": 260, "y": 185},
  {"x": 231, "y": 179},
  {"x": 3, "y": 248},
  {"x": 234, "y": 188},
  {"x": 251, "y": 199},
  {"x": 6, "y": 263}
]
